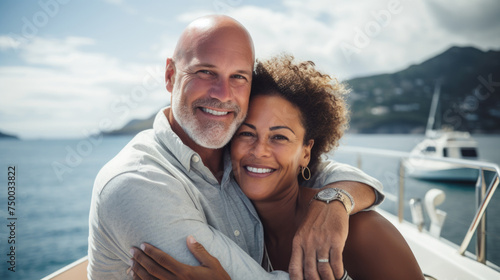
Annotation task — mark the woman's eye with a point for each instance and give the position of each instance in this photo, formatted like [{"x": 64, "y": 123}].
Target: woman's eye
[
  {"x": 280, "y": 137},
  {"x": 245, "y": 134}
]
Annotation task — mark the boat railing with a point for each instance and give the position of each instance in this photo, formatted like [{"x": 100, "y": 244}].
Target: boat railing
[{"x": 484, "y": 193}]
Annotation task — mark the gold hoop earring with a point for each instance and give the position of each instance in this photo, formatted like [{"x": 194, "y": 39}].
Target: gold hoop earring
[{"x": 308, "y": 173}]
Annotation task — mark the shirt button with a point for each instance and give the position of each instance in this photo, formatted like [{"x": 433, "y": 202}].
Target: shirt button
[
  {"x": 196, "y": 158},
  {"x": 236, "y": 233}
]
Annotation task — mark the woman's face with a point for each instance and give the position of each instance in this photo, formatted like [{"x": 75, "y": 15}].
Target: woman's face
[{"x": 267, "y": 151}]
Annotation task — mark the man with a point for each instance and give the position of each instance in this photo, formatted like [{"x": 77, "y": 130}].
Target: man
[{"x": 174, "y": 180}]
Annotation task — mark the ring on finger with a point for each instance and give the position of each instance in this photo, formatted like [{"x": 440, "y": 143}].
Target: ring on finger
[{"x": 323, "y": 260}]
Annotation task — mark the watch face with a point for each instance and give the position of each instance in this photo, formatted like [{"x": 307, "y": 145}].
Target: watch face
[{"x": 327, "y": 194}]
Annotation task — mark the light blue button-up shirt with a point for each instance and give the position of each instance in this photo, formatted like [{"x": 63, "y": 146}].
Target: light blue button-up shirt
[{"x": 157, "y": 190}]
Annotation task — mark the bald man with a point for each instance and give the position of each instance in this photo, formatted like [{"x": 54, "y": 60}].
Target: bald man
[{"x": 175, "y": 180}]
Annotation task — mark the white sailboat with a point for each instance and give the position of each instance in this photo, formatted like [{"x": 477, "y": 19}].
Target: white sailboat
[
  {"x": 440, "y": 258},
  {"x": 442, "y": 143}
]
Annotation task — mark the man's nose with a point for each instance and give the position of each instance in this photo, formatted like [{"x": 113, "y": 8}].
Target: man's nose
[{"x": 222, "y": 90}]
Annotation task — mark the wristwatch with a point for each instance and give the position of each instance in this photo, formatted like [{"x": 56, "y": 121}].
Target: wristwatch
[{"x": 329, "y": 194}]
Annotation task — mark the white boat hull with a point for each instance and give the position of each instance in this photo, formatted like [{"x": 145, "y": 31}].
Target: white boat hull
[
  {"x": 438, "y": 257},
  {"x": 73, "y": 271},
  {"x": 431, "y": 170}
]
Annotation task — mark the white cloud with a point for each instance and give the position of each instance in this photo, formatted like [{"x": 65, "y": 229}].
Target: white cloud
[
  {"x": 192, "y": 15},
  {"x": 396, "y": 33},
  {"x": 359, "y": 37},
  {"x": 70, "y": 90},
  {"x": 7, "y": 42}
]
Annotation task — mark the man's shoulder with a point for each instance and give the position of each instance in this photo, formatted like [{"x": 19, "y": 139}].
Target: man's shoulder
[
  {"x": 143, "y": 159},
  {"x": 130, "y": 189}
]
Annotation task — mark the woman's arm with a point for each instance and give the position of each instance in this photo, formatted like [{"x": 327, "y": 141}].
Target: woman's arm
[
  {"x": 150, "y": 261},
  {"x": 375, "y": 249}
]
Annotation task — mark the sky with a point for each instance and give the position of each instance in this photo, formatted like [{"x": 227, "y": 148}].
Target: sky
[{"x": 72, "y": 68}]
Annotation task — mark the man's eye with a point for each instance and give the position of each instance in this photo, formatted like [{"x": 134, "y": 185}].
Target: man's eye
[
  {"x": 239, "y": 77},
  {"x": 205, "y": 74},
  {"x": 239, "y": 80}
]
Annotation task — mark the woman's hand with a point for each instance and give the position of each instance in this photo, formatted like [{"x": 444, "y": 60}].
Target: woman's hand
[
  {"x": 152, "y": 263},
  {"x": 322, "y": 235}
]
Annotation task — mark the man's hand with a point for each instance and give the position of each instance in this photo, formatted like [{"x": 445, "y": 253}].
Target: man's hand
[
  {"x": 322, "y": 235},
  {"x": 152, "y": 263}
]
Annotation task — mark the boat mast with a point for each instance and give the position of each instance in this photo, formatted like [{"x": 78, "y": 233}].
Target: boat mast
[{"x": 429, "y": 132}]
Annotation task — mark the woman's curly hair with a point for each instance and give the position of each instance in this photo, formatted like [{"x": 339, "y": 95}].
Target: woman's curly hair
[{"x": 319, "y": 98}]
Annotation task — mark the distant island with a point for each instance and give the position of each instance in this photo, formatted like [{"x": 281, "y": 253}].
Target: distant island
[
  {"x": 7, "y": 136},
  {"x": 132, "y": 127},
  {"x": 400, "y": 102}
]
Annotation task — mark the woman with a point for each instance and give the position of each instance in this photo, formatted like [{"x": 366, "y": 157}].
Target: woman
[{"x": 297, "y": 114}]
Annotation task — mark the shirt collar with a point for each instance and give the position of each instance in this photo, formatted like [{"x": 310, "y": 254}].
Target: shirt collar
[{"x": 167, "y": 137}]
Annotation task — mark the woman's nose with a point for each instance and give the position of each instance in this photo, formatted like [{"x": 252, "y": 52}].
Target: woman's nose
[{"x": 261, "y": 149}]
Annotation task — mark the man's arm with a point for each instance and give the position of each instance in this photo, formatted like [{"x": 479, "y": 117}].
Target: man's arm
[
  {"x": 132, "y": 209},
  {"x": 366, "y": 191},
  {"x": 325, "y": 229}
]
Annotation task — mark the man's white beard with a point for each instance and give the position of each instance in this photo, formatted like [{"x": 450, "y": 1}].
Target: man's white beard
[{"x": 211, "y": 134}]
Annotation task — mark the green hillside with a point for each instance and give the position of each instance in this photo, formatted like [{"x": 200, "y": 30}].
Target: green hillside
[{"x": 400, "y": 102}]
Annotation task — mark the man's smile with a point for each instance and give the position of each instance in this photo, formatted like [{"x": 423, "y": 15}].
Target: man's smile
[{"x": 214, "y": 112}]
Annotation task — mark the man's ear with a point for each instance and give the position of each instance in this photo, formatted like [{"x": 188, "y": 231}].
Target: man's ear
[
  {"x": 170, "y": 75},
  {"x": 306, "y": 156}
]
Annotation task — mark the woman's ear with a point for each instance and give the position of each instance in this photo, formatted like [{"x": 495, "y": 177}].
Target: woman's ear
[
  {"x": 170, "y": 75},
  {"x": 306, "y": 156}
]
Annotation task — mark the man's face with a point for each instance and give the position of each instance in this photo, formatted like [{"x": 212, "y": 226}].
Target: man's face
[{"x": 211, "y": 89}]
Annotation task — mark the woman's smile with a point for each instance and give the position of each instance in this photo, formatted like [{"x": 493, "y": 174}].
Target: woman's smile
[
  {"x": 267, "y": 151},
  {"x": 259, "y": 170}
]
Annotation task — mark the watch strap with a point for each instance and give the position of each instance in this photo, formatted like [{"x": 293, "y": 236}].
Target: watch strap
[{"x": 341, "y": 195}]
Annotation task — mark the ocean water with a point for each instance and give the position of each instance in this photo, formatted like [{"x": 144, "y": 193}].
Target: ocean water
[
  {"x": 54, "y": 178},
  {"x": 54, "y": 181}
]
